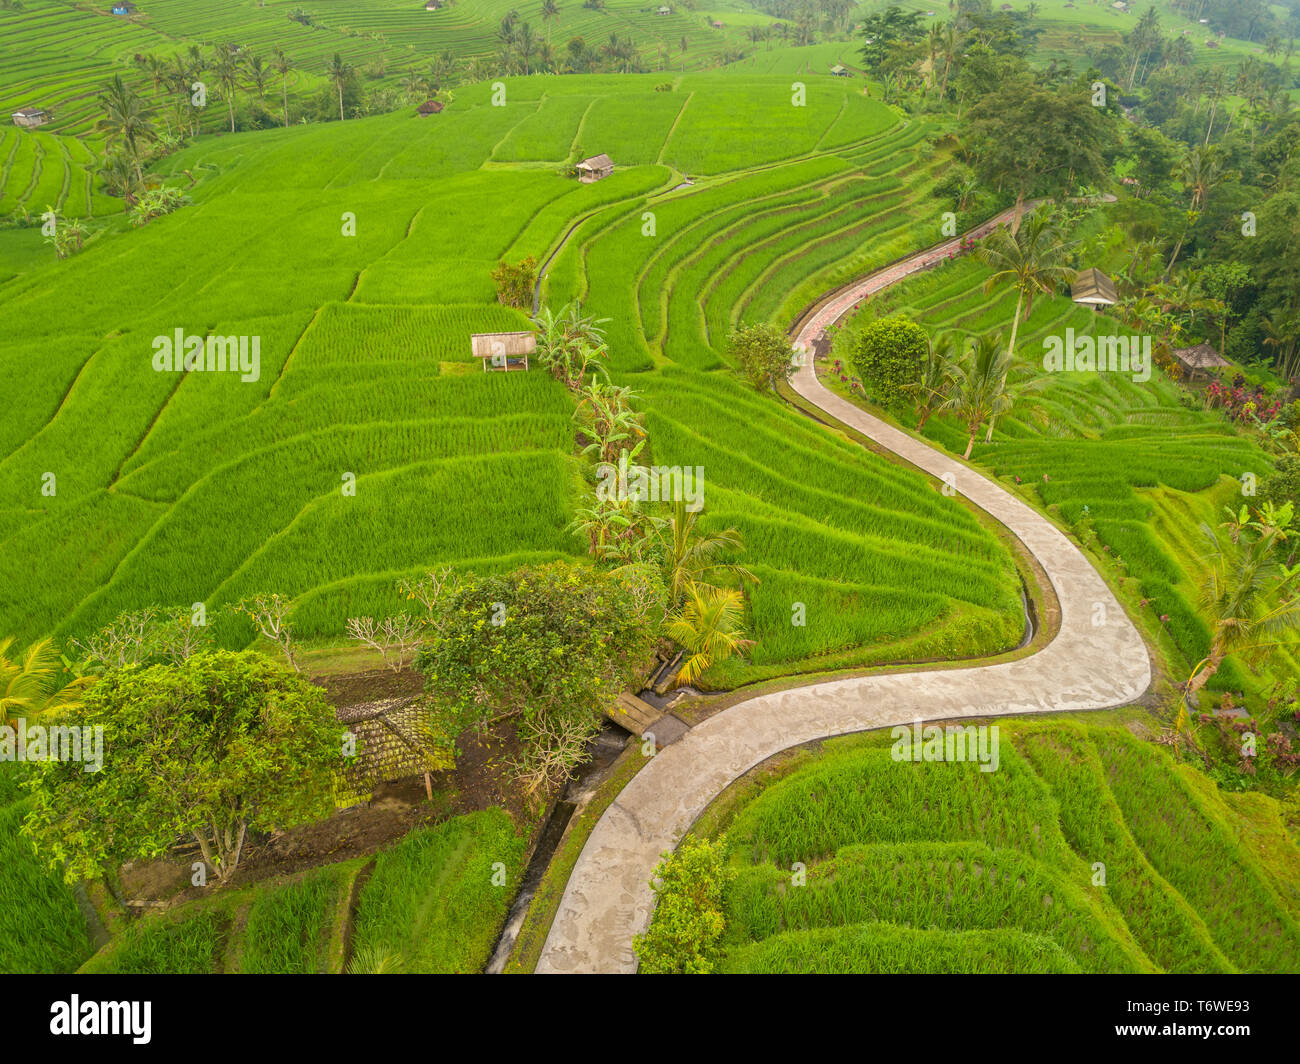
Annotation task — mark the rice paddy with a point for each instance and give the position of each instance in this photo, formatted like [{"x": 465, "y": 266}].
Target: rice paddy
[{"x": 1088, "y": 850}]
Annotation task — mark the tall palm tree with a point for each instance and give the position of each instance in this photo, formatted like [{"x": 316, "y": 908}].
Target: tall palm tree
[
  {"x": 550, "y": 9},
  {"x": 227, "y": 69},
  {"x": 30, "y": 682},
  {"x": 1033, "y": 259},
  {"x": 526, "y": 45},
  {"x": 709, "y": 627},
  {"x": 339, "y": 73},
  {"x": 127, "y": 122},
  {"x": 283, "y": 64},
  {"x": 684, "y": 45},
  {"x": 259, "y": 73},
  {"x": 978, "y": 392}
]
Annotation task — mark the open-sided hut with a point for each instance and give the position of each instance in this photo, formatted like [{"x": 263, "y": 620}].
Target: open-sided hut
[
  {"x": 505, "y": 350},
  {"x": 595, "y": 168},
  {"x": 393, "y": 742},
  {"x": 1093, "y": 288},
  {"x": 841, "y": 72},
  {"x": 30, "y": 117},
  {"x": 1199, "y": 359}
]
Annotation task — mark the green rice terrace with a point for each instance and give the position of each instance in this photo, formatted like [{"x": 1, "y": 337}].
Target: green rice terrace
[{"x": 484, "y": 488}]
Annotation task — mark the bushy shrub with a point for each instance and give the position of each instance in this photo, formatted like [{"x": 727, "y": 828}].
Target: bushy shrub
[
  {"x": 889, "y": 356},
  {"x": 689, "y": 919},
  {"x": 763, "y": 353}
]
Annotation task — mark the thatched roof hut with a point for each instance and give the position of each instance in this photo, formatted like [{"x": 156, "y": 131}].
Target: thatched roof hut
[
  {"x": 429, "y": 107},
  {"x": 595, "y": 168},
  {"x": 393, "y": 742},
  {"x": 504, "y": 350},
  {"x": 1199, "y": 359},
  {"x": 1093, "y": 288}
]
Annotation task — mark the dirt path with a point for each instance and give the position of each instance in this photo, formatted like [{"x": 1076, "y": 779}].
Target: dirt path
[{"x": 1096, "y": 661}]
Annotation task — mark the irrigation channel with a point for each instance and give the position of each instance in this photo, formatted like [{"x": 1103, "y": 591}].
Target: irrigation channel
[{"x": 1086, "y": 666}]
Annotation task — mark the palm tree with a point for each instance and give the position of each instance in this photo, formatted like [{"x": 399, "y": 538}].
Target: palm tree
[
  {"x": 283, "y": 64},
  {"x": 549, "y": 10},
  {"x": 526, "y": 45},
  {"x": 30, "y": 683},
  {"x": 1281, "y": 333},
  {"x": 126, "y": 120},
  {"x": 339, "y": 74},
  {"x": 226, "y": 69},
  {"x": 259, "y": 73},
  {"x": 1248, "y": 592},
  {"x": 978, "y": 391},
  {"x": 931, "y": 389},
  {"x": 1033, "y": 259},
  {"x": 708, "y": 627},
  {"x": 684, "y": 45},
  {"x": 691, "y": 557},
  {"x": 951, "y": 49}
]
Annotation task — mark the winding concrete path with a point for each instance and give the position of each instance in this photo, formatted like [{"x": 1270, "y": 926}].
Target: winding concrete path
[{"x": 1087, "y": 665}]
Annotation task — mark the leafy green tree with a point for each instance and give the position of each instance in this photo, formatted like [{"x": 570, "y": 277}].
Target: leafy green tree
[
  {"x": 515, "y": 282},
  {"x": 889, "y": 357},
  {"x": 1033, "y": 138},
  {"x": 763, "y": 353},
  {"x": 569, "y": 343},
  {"x": 890, "y": 35},
  {"x": 689, "y": 917},
  {"x": 210, "y": 749},
  {"x": 541, "y": 646}
]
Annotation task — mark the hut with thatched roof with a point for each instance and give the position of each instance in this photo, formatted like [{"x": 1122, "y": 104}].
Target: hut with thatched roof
[
  {"x": 1093, "y": 288},
  {"x": 841, "y": 72},
  {"x": 504, "y": 350},
  {"x": 1199, "y": 359},
  {"x": 429, "y": 107},
  {"x": 392, "y": 742},
  {"x": 595, "y": 168}
]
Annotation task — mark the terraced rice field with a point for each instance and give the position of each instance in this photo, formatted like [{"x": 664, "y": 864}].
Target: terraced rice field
[
  {"x": 1109, "y": 456},
  {"x": 1087, "y": 851},
  {"x": 364, "y": 356}
]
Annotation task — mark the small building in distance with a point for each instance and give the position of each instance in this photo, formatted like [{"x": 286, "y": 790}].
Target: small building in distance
[
  {"x": 664, "y": 11},
  {"x": 841, "y": 72},
  {"x": 31, "y": 117},
  {"x": 433, "y": 5},
  {"x": 123, "y": 7},
  {"x": 595, "y": 168},
  {"x": 1093, "y": 288},
  {"x": 429, "y": 107},
  {"x": 1199, "y": 359},
  {"x": 503, "y": 351},
  {"x": 716, "y": 24}
]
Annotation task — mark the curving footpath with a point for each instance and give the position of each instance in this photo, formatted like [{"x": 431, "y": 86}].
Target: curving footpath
[{"x": 1086, "y": 666}]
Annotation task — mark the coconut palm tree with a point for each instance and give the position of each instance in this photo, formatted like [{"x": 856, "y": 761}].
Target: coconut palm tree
[
  {"x": 339, "y": 73},
  {"x": 978, "y": 392},
  {"x": 1281, "y": 333},
  {"x": 283, "y": 64},
  {"x": 526, "y": 45},
  {"x": 1248, "y": 593},
  {"x": 1033, "y": 259},
  {"x": 550, "y": 9},
  {"x": 708, "y": 626},
  {"x": 31, "y": 683},
  {"x": 931, "y": 389},
  {"x": 690, "y": 556},
  {"x": 127, "y": 122},
  {"x": 227, "y": 69}
]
